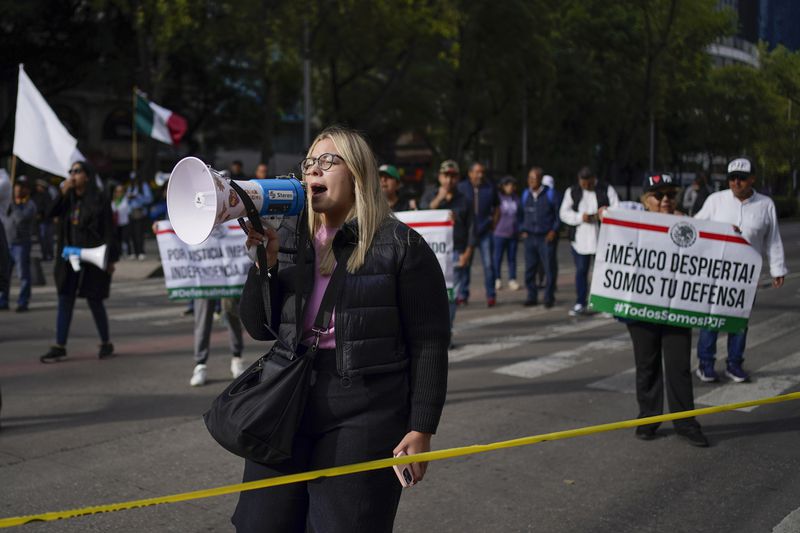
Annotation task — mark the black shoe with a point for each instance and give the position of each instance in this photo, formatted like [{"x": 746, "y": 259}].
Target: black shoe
[
  {"x": 646, "y": 433},
  {"x": 55, "y": 354},
  {"x": 694, "y": 437},
  {"x": 530, "y": 303},
  {"x": 22, "y": 309},
  {"x": 4, "y": 307},
  {"x": 106, "y": 350},
  {"x": 549, "y": 305}
]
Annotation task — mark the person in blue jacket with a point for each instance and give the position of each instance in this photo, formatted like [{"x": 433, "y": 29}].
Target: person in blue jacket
[{"x": 540, "y": 225}]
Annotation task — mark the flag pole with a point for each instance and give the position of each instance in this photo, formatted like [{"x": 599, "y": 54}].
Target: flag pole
[
  {"x": 13, "y": 167},
  {"x": 133, "y": 130}
]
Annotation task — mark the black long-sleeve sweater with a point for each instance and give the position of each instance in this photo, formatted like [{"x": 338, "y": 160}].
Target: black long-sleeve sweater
[{"x": 391, "y": 315}]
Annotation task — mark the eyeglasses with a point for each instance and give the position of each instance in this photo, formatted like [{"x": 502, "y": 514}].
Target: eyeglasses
[
  {"x": 75, "y": 171},
  {"x": 659, "y": 195},
  {"x": 324, "y": 162}
]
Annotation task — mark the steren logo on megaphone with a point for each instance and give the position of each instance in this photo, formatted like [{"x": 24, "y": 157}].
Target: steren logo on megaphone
[{"x": 199, "y": 198}]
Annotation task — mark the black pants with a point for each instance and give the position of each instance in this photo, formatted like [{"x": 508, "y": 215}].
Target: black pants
[
  {"x": 345, "y": 422},
  {"x": 137, "y": 227},
  {"x": 649, "y": 342}
]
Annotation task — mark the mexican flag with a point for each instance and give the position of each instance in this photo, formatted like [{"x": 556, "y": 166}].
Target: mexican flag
[{"x": 158, "y": 122}]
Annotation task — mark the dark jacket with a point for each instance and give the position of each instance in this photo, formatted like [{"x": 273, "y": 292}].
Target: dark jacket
[
  {"x": 92, "y": 227},
  {"x": 540, "y": 214},
  {"x": 392, "y": 315},
  {"x": 463, "y": 228},
  {"x": 488, "y": 200}
]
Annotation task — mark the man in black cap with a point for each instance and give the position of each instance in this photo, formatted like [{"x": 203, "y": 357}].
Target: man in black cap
[{"x": 754, "y": 216}]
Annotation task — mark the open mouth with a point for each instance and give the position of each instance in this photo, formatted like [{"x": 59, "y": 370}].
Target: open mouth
[{"x": 317, "y": 188}]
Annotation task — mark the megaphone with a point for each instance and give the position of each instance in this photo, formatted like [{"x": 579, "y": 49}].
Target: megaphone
[
  {"x": 97, "y": 256},
  {"x": 199, "y": 198}
]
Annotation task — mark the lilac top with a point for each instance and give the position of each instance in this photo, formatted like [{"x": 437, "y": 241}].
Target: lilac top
[
  {"x": 327, "y": 341},
  {"x": 507, "y": 223}
]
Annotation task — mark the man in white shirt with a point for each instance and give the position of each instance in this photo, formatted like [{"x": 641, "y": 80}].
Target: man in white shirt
[
  {"x": 582, "y": 209},
  {"x": 754, "y": 216}
]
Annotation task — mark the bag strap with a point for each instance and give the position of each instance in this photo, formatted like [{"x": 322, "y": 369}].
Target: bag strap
[
  {"x": 261, "y": 253},
  {"x": 325, "y": 313}
]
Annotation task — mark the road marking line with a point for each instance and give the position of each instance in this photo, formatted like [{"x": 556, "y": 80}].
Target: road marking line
[
  {"x": 625, "y": 382},
  {"x": 790, "y": 524},
  {"x": 471, "y": 351},
  {"x": 771, "y": 379},
  {"x": 561, "y": 360},
  {"x": 145, "y": 314},
  {"x": 500, "y": 318}
]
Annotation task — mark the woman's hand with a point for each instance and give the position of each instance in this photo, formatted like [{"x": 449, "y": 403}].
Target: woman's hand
[
  {"x": 415, "y": 442},
  {"x": 269, "y": 238}
]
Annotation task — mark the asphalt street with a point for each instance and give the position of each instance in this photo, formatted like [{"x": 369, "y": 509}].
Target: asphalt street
[{"x": 86, "y": 432}]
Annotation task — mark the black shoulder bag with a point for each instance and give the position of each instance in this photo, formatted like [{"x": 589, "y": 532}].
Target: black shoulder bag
[{"x": 258, "y": 414}]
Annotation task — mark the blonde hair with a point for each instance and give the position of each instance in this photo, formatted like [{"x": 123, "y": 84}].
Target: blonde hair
[{"x": 370, "y": 207}]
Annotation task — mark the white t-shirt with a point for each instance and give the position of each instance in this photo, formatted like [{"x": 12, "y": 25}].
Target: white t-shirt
[{"x": 756, "y": 218}]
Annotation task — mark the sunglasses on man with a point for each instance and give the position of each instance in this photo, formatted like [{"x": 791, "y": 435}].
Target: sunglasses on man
[{"x": 738, "y": 178}]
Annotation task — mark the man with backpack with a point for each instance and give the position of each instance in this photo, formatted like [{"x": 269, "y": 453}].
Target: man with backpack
[
  {"x": 539, "y": 229},
  {"x": 582, "y": 209}
]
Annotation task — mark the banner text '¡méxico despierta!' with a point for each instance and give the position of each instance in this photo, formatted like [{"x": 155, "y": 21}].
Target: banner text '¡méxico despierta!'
[{"x": 689, "y": 265}]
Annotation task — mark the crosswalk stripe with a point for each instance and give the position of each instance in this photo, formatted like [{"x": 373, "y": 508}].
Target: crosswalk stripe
[
  {"x": 471, "y": 351},
  {"x": 760, "y": 333},
  {"x": 500, "y": 318},
  {"x": 145, "y": 314},
  {"x": 771, "y": 380},
  {"x": 561, "y": 360}
]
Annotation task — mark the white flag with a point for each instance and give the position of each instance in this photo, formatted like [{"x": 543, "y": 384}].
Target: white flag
[{"x": 39, "y": 137}]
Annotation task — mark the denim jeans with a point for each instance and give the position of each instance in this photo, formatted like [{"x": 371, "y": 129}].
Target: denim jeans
[
  {"x": 485, "y": 249},
  {"x": 707, "y": 346},
  {"x": 582, "y": 265},
  {"x": 460, "y": 275},
  {"x": 21, "y": 259},
  {"x": 505, "y": 245},
  {"x": 539, "y": 251}
]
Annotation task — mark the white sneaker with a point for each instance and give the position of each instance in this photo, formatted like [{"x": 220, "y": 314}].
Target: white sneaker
[
  {"x": 576, "y": 310},
  {"x": 513, "y": 285},
  {"x": 141, "y": 257},
  {"x": 237, "y": 367},
  {"x": 198, "y": 376},
  {"x": 498, "y": 284}
]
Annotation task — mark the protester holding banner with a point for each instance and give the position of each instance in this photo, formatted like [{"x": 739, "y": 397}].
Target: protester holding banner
[
  {"x": 86, "y": 222},
  {"x": 652, "y": 342},
  {"x": 447, "y": 196},
  {"x": 582, "y": 209},
  {"x": 381, "y": 370},
  {"x": 754, "y": 216}
]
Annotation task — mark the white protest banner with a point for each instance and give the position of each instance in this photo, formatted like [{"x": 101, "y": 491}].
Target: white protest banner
[
  {"x": 436, "y": 227},
  {"x": 674, "y": 270},
  {"x": 216, "y": 268}
]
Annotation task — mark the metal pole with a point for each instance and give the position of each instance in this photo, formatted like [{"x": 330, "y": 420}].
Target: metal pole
[
  {"x": 306, "y": 87},
  {"x": 652, "y": 142},
  {"x": 525, "y": 128},
  {"x": 133, "y": 131}
]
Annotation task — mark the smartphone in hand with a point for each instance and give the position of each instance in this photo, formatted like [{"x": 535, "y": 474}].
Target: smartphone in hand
[{"x": 404, "y": 473}]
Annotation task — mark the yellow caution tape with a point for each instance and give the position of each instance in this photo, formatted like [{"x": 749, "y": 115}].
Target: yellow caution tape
[{"x": 386, "y": 463}]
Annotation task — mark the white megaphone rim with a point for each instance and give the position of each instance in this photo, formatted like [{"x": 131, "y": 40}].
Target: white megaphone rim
[
  {"x": 189, "y": 177},
  {"x": 98, "y": 256}
]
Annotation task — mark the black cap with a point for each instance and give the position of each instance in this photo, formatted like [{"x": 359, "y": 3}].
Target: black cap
[
  {"x": 658, "y": 181},
  {"x": 505, "y": 180}
]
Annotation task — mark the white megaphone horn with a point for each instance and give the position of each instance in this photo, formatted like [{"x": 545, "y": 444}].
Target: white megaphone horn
[
  {"x": 97, "y": 256},
  {"x": 199, "y": 198}
]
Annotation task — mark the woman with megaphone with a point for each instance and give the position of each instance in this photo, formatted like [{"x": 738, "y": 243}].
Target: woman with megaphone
[
  {"x": 86, "y": 223},
  {"x": 380, "y": 368}
]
